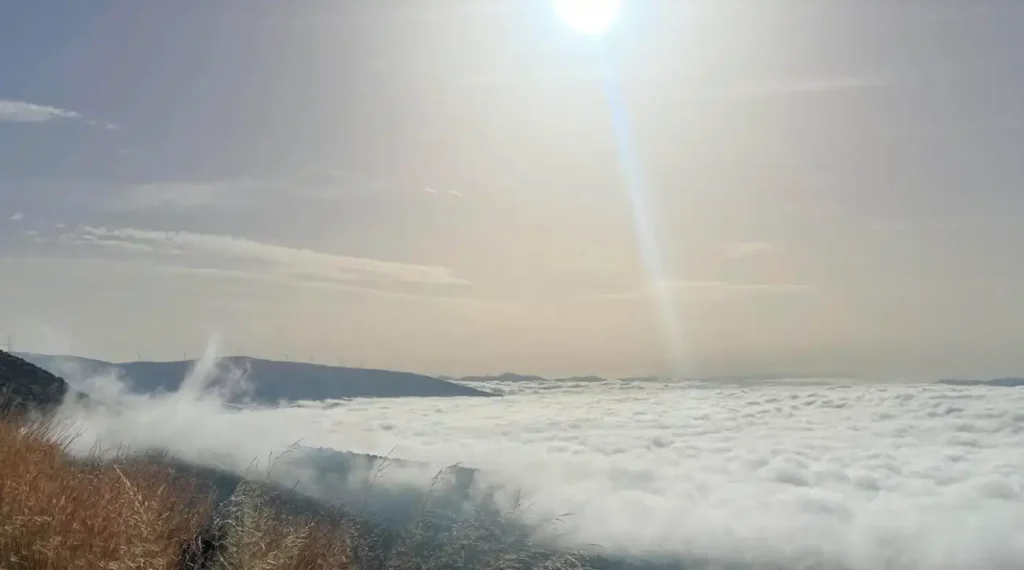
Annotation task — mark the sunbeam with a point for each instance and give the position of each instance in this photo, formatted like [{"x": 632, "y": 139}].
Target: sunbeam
[{"x": 643, "y": 224}]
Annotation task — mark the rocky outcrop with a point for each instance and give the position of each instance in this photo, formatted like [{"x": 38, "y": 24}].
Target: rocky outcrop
[{"x": 25, "y": 386}]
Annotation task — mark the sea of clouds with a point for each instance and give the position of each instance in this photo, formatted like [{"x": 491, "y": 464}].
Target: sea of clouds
[{"x": 798, "y": 475}]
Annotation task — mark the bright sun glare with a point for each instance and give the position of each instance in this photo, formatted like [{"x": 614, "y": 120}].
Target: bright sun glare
[{"x": 590, "y": 17}]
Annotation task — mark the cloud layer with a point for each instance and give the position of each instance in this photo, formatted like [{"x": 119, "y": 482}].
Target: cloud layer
[
  {"x": 820, "y": 475},
  {"x": 856, "y": 476}
]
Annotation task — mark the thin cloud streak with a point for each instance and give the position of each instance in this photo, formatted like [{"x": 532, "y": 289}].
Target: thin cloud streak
[
  {"x": 25, "y": 112},
  {"x": 181, "y": 196},
  {"x": 297, "y": 266},
  {"x": 296, "y": 261},
  {"x": 245, "y": 193}
]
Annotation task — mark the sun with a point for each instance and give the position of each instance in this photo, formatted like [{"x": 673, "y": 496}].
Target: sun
[{"x": 589, "y": 17}]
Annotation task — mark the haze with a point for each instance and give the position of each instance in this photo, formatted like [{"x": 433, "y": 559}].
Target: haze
[{"x": 829, "y": 188}]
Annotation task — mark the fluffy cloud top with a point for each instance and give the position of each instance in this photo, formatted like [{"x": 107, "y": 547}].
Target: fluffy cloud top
[
  {"x": 755, "y": 475},
  {"x": 850, "y": 476}
]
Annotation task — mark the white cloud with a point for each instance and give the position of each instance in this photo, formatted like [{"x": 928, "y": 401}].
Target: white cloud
[
  {"x": 87, "y": 239},
  {"x": 455, "y": 193},
  {"x": 838, "y": 476},
  {"x": 102, "y": 125},
  {"x": 300, "y": 265},
  {"x": 237, "y": 193},
  {"x": 23, "y": 112},
  {"x": 17, "y": 217},
  {"x": 746, "y": 475},
  {"x": 34, "y": 237}
]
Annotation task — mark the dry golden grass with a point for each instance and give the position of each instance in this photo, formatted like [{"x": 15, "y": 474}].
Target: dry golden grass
[
  {"x": 57, "y": 514},
  {"x": 257, "y": 538},
  {"x": 60, "y": 514}
]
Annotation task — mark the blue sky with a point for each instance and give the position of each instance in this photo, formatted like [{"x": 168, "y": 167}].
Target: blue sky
[{"x": 832, "y": 187}]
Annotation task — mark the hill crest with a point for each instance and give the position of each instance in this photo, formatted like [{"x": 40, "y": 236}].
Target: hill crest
[{"x": 268, "y": 382}]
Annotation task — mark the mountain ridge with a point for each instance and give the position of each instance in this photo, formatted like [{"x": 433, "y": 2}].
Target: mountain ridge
[{"x": 265, "y": 381}]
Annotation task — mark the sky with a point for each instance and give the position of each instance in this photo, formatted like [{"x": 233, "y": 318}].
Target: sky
[{"x": 466, "y": 187}]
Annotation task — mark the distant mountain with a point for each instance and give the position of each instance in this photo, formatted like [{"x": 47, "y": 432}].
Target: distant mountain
[
  {"x": 511, "y": 377},
  {"x": 590, "y": 378},
  {"x": 269, "y": 381},
  {"x": 506, "y": 377},
  {"x": 1009, "y": 382}
]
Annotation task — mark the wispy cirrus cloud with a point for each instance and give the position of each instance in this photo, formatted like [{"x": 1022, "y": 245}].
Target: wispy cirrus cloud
[
  {"x": 454, "y": 193},
  {"x": 25, "y": 112},
  {"x": 174, "y": 196},
  {"x": 248, "y": 193},
  {"x": 12, "y": 111},
  {"x": 238, "y": 254}
]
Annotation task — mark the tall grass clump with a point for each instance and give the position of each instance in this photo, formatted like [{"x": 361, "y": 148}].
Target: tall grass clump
[
  {"x": 253, "y": 535},
  {"x": 58, "y": 513}
]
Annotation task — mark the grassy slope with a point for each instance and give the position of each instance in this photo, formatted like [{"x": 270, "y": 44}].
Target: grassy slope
[{"x": 58, "y": 513}]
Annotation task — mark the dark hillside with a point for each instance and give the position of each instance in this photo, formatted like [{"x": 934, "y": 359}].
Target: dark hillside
[{"x": 24, "y": 386}]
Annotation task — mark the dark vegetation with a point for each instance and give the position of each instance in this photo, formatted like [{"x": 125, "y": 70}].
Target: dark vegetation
[{"x": 26, "y": 387}]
